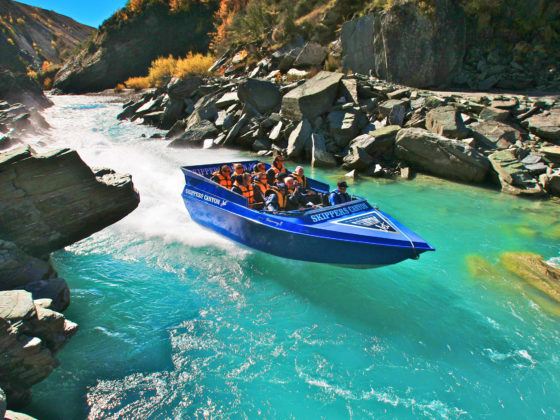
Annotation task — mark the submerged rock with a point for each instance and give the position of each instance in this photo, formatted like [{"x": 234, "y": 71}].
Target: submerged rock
[
  {"x": 535, "y": 271},
  {"x": 54, "y": 199}
]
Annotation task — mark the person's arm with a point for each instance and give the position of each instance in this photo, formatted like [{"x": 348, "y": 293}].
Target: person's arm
[
  {"x": 333, "y": 199},
  {"x": 271, "y": 203}
]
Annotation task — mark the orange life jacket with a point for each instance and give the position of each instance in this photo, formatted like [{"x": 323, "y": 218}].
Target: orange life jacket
[
  {"x": 224, "y": 181},
  {"x": 263, "y": 187},
  {"x": 282, "y": 199},
  {"x": 247, "y": 192},
  {"x": 276, "y": 170},
  {"x": 301, "y": 179}
]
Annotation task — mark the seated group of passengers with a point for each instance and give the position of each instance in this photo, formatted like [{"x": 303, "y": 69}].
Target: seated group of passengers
[{"x": 276, "y": 189}]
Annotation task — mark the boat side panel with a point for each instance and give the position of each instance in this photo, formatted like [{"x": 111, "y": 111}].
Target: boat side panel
[{"x": 287, "y": 244}]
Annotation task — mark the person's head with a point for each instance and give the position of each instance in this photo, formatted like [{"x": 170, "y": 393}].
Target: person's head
[
  {"x": 238, "y": 168},
  {"x": 280, "y": 176},
  {"x": 246, "y": 179},
  {"x": 260, "y": 167},
  {"x": 299, "y": 170},
  {"x": 290, "y": 182},
  {"x": 261, "y": 177},
  {"x": 282, "y": 187},
  {"x": 278, "y": 161},
  {"x": 224, "y": 170},
  {"x": 342, "y": 186}
]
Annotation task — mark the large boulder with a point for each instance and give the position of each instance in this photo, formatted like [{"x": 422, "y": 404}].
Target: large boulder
[
  {"x": 495, "y": 134},
  {"x": 313, "y": 98},
  {"x": 298, "y": 139},
  {"x": 195, "y": 136},
  {"x": 514, "y": 177},
  {"x": 546, "y": 125},
  {"x": 262, "y": 95},
  {"x": 406, "y": 44},
  {"x": 440, "y": 156},
  {"x": 343, "y": 126},
  {"x": 123, "y": 48},
  {"x": 320, "y": 157},
  {"x": 183, "y": 88},
  {"x": 54, "y": 199},
  {"x": 446, "y": 121},
  {"x": 312, "y": 54}
]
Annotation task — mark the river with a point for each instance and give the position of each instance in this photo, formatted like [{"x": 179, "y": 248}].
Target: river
[{"x": 177, "y": 322}]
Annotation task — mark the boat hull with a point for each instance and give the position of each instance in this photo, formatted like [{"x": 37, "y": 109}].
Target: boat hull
[{"x": 259, "y": 235}]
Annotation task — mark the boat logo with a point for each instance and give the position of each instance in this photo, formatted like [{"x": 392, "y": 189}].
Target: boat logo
[
  {"x": 223, "y": 203},
  {"x": 369, "y": 221},
  {"x": 274, "y": 221}
]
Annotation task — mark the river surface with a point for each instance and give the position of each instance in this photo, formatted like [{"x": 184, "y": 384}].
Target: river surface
[{"x": 177, "y": 322}]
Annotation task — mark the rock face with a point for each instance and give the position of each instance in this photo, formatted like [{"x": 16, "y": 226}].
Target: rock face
[
  {"x": 123, "y": 49},
  {"x": 313, "y": 98},
  {"x": 495, "y": 134},
  {"x": 514, "y": 177},
  {"x": 440, "y": 156},
  {"x": 54, "y": 199},
  {"x": 17, "y": 87},
  {"x": 30, "y": 335},
  {"x": 196, "y": 135},
  {"x": 405, "y": 45},
  {"x": 546, "y": 125}
]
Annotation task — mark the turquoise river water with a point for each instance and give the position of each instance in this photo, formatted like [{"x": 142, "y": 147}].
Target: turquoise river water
[{"x": 178, "y": 323}]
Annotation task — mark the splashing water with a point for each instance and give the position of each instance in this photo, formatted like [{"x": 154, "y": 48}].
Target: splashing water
[{"x": 177, "y": 322}]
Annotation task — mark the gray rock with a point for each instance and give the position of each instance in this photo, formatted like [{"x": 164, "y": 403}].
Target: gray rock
[
  {"x": 495, "y": 134},
  {"x": 404, "y": 45},
  {"x": 183, "y": 88},
  {"x": 494, "y": 114},
  {"x": 17, "y": 268},
  {"x": 261, "y": 144},
  {"x": 446, "y": 121},
  {"x": 172, "y": 112},
  {"x": 176, "y": 129},
  {"x": 54, "y": 289},
  {"x": 554, "y": 185},
  {"x": 320, "y": 157},
  {"x": 195, "y": 136},
  {"x": 343, "y": 126},
  {"x": 275, "y": 133},
  {"x": 353, "y": 174},
  {"x": 440, "y": 156},
  {"x": 349, "y": 89},
  {"x": 385, "y": 108},
  {"x": 262, "y": 95},
  {"x": 378, "y": 141},
  {"x": 312, "y": 54},
  {"x": 405, "y": 173},
  {"x": 313, "y": 98},
  {"x": 357, "y": 159},
  {"x": 16, "y": 305},
  {"x": 399, "y": 93},
  {"x": 13, "y": 415},
  {"x": 514, "y": 177},
  {"x": 227, "y": 99},
  {"x": 232, "y": 134},
  {"x": 298, "y": 139},
  {"x": 54, "y": 199},
  {"x": 546, "y": 125},
  {"x": 397, "y": 114}
]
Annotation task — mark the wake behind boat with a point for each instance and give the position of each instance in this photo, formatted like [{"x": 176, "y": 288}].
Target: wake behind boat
[{"x": 353, "y": 234}]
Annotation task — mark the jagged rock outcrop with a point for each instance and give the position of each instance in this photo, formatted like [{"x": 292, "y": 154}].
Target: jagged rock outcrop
[
  {"x": 313, "y": 98},
  {"x": 514, "y": 177},
  {"x": 406, "y": 44},
  {"x": 440, "y": 156},
  {"x": 125, "y": 48},
  {"x": 20, "y": 88},
  {"x": 30, "y": 336},
  {"x": 52, "y": 200}
]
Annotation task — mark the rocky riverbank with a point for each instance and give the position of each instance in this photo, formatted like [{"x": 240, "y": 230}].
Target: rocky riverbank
[
  {"x": 48, "y": 201},
  {"x": 367, "y": 125}
]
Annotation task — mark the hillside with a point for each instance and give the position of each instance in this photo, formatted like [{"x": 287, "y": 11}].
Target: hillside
[
  {"x": 125, "y": 45},
  {"x": 37, "y": 35}
]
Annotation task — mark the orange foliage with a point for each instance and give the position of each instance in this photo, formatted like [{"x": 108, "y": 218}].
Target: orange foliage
[
  {"x": 137, "y": 83},
  {"x": 119, "y": 88},
  {"x": 136, "y": 6},
  {"x": 47, "y": 83},
  {"x": 46, "y": 66},
  {"x": 224, "y": 17}
]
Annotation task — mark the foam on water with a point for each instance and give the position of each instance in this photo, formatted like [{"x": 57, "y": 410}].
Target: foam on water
[{"x": 177, "y": 322}]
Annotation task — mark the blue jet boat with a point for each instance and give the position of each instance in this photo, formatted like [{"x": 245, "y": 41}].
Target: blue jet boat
[{"x": 353, "y": 234}]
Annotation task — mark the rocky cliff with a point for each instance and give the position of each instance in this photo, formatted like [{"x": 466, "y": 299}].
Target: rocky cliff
[
  {"x": 124, "y": 48},
  {"x": 47, "y": 201}
]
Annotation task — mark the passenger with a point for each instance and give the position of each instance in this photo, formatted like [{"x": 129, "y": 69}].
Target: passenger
[
  {"x": 259, "y": 168},
  {"x": 276, "y": 168},
  {"x": 260, "y": 185},
  {"x": 222, "y": 177},
  {"x": 300, "y": 177},
  {"x": 238, "y": 171},
  {"x": 312, "y": 195},
  {"x": 297, "y": 198},
  {"x": 340, "y": 195},
  {"x": 280, "y": 177},
  {"x": 245, "y": 188},
  {"x": 276, "y": 198}
]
